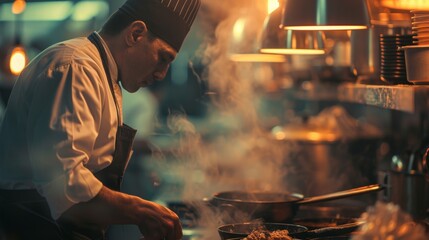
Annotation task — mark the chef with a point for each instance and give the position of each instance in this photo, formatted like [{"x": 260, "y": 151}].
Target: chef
[{"x": 63, "y": 144}]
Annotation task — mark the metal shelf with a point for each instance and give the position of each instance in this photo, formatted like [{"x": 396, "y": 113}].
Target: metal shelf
[{"x": 407, "y": 98}]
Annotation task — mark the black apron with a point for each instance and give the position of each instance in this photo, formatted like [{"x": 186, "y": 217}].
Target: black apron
[{"x": 25, "y": 214}]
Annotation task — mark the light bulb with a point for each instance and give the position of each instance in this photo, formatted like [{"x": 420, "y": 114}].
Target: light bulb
[
  {"x": 18, "y": 60},
  {"x": 18, "y": 6}
]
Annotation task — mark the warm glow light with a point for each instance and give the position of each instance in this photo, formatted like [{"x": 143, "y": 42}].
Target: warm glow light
[
  {"x": 406, "y": 4},
  {"x": 324, "y": 28},
  {"x": 254, "y": 57},
  {"x": 288, "y": 51},
  {"x": 18, "y": 6},
  {"x": 317, "y": 136},
  {"x": 238, "y": 29},
  {"x": 272, "y": 5},
  {"x": 18, "y": 60}
]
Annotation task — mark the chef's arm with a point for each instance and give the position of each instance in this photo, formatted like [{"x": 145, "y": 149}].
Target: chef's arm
[{"x": 111, "y": 207}]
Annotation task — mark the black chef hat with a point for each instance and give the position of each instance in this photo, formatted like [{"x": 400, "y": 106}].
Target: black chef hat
[{"x": 170, "y": 20}]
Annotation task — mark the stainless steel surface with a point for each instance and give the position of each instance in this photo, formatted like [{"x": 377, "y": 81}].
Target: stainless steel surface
[
  {"x": 277, "y": 40},
  {"x": 417, "y": 60},
  {"x": 312, "y": 13},
  {"x": 406, "y": 98},
  {"x": 410, "y": 192},
  {"x": 276, "y": 206},
  {"x": 365, "y": 51},
  {"x": 342, "y": 194}
]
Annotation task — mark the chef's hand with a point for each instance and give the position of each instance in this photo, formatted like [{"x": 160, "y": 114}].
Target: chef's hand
[
  {"x": 159, "y": 223},
  {"x": 155, "y": 221}
]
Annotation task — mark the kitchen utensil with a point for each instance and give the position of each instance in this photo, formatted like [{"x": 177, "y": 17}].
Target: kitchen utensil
[
  {"x": 241, "y": 230},
  {"x": 416, "y": 61},
  {"x": 277, "y": 206},
  {"x": 322, "y": 222}
]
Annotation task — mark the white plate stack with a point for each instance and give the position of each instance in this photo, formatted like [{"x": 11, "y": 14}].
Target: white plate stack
[
  {"x": 417, "y": 56},
  {"x": 420, "y": 27}
]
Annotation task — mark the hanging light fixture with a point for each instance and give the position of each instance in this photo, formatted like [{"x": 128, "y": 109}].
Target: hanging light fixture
[
  {"x": 17, "y": 60},
  {"x": 18, "y": 57},
  {"x": 325, "y": 15},
  {"x": 243, "y": 44},
  {"x": 276, "y": 40},
  {"x": 18, "y": 6}
]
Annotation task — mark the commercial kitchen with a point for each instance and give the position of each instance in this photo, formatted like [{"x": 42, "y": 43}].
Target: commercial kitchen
[{"x": 305, "y": 115}]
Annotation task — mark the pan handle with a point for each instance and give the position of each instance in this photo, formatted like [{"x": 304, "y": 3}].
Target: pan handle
[{"x": 342, "y": 194}]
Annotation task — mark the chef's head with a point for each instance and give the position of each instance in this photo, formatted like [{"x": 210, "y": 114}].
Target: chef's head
[
  {"x": 153, "y": 32},
  {"x": 170, "y": 20}
]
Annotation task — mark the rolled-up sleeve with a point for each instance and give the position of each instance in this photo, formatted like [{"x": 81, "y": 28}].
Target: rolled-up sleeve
[{"x": 67, "y": 133}]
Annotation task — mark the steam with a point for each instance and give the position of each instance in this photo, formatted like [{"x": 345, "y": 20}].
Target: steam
[
  {"x": 388, "y": 221},
  {"x": 230, "y": 149}
]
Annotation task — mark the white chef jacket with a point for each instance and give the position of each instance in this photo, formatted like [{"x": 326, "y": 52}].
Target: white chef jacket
[{"x": 60, "y": 125}]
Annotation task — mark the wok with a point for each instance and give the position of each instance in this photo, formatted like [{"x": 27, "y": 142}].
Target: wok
[{"x": 278, "y": 207}]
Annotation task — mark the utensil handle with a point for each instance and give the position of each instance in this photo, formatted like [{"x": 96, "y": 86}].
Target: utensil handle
[
  {"x": 330, "y": 231},
  {"x": 342, "y": 194}
]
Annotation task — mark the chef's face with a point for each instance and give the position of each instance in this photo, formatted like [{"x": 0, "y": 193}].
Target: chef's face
[{"x": 147, "y": 61}]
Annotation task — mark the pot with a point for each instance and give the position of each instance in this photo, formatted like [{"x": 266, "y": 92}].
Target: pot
[
  {"x": 279, "y": 207},
  {"x": 416, "y": 61}
]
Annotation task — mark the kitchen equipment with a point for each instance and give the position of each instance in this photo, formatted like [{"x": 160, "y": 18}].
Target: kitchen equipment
[
  {"x": 325, "y": 15},
  {"x": 241, "y": 230},
  {"x": 276, "y": 206},
  {"x": 416, "y": 61},
  {"x": 365, "y": 50},
  {"x": 237, "y": 230},
  {"x": 392, "y": 59},
  {"x": 328, "y": 152},
  {"x": 408, "y": 191},
  {"x": 420, "y": 26},
  {"x": 407, "y": 182},
  {"x": 322, "y": 222}
]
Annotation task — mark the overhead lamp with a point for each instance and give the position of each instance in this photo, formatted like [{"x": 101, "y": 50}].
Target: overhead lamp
[
  {"x": 17, "y": 60},
  {"x": 18, "y": 6},
  {"x": 406, "y": 4},
  {"x": 275, "y": 40},
  {"x": 325, "y": 15},
  {"x": 243, "y": 45}
]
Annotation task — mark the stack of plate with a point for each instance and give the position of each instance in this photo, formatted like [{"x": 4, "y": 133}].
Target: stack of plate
[
  {"x": 392, "y": 58},
  {"x": 420, "y": 27}
]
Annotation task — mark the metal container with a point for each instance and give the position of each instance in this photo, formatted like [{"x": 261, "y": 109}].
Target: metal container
[
  {"x": 365, "y": 51},
  {"x": 278, "y": 207},
  {"x": 416, "y": 61},
  {"x": 407, "y": 184},
  {"x": 408, "y": 190}
]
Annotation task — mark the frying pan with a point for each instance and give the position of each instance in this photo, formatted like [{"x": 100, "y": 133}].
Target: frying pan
[
  {"x": 278, "y": 207},
  {"x": 241, "y": 230}
]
